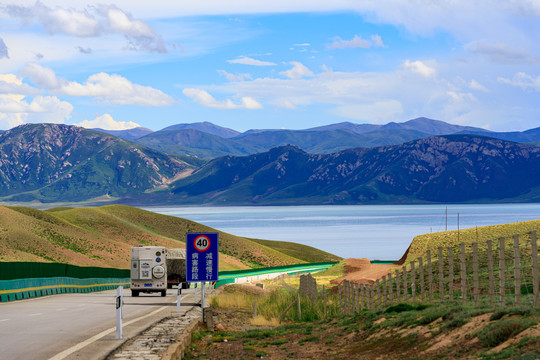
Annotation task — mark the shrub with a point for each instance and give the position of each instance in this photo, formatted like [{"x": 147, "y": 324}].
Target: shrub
[{"x": 494, "y": 334}]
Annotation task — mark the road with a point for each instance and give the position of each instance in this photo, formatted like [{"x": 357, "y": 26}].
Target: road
[{"x": 62, "y": 326}]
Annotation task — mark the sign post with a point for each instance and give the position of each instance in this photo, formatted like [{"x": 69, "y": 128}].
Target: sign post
[
  {"x": 179, "y": 297},
  {"x": 202, "y": 260},
  {"x": 119, "y": 305}
]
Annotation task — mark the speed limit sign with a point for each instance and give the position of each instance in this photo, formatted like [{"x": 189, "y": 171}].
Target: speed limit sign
[
  {"x": 201, "y": 243},
  {"x": 202, "y": 257}
]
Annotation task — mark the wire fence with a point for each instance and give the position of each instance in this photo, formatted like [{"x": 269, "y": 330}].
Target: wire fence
[{"x": 501, "y": 272}]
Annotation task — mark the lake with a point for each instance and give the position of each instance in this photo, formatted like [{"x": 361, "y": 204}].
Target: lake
[{"x": 376, "y": 232}]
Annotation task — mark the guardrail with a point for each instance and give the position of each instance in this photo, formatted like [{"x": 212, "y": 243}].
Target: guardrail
[
  {"x": 24, "y": 280},
  {"x": 228, "y": 277}
]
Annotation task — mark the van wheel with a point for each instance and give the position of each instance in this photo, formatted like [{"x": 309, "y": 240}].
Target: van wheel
[
  {"x": 163, "y": 293},
  {"x": 134, "y": 293}
]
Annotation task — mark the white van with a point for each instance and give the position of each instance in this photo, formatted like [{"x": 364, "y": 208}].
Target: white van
[{"x": 148, "y": 270}]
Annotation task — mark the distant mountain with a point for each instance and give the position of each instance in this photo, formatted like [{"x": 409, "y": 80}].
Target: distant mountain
[
  {"x": 195, "y": 143},
  {"x": 203, "y": 140},
  {"x": 528, "y": 136},
  {"x": 206, "y": 127},
  {"x": 357, "y": 128},
  {"x": 455, "y": 168},
  {"x": 52, "y": 162},
  {"x": 129, "y": 134}
]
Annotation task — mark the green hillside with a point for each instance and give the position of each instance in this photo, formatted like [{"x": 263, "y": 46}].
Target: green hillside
[
  {"x": 103, "y": 236},
  {"x": 432, "y": 241}
]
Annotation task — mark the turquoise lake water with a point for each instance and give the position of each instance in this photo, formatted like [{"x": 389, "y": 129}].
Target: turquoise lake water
[{"x": 380, "y": 232}]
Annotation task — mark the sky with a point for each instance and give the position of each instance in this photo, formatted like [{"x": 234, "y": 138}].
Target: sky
[{"x": 247, "y": 64}]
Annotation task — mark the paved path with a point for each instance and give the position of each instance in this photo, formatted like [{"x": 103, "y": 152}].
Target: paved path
[{"x": 79, "y": 326}]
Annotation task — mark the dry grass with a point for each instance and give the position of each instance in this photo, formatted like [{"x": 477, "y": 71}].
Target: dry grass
[
  {"x": 103, "y": 236},
  {"x": 262, "y": 321}
]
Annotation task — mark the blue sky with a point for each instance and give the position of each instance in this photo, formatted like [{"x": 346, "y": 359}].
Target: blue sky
[{"x": 281, "y": 64}]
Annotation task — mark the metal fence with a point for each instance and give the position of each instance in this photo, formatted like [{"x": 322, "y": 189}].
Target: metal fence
[{"x": 501, "y": 272}]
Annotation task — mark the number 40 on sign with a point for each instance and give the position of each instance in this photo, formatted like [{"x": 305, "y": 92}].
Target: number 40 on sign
[{"x": 202, "y": 257}]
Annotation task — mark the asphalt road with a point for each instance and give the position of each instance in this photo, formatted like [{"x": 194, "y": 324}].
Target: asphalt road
[{"x": 79, "y": 326}]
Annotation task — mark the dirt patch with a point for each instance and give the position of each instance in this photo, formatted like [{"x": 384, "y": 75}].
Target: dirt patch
[{"x": 362, "y": 271}]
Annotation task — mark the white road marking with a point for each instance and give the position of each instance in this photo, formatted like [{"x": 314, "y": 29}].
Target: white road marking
[
  {"x": 2, "y": 320},
  {"x": 61, "y": 309},
  {"x": 36, "y": 314},
  {"x": 94, "y": 338}
]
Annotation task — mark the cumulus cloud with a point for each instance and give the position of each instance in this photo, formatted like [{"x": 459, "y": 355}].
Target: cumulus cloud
[
  {"x": 204, "y": 98},
  {"x": 522, "y": 80},
  {"x": 3, "y": 50},
  {"x": 114, "y": 89},
  {"x": 107, "y": 122},
  {"x": 16, "y": 110},
  {"x": 235, "y": 77},
  {"x": 298, "y": 71},
  {"x": 90, "y": 22},
  {"x": 357, "y": 41},
  {"x": 244, "y": 60},
  {"x": 420, "y": 68}
]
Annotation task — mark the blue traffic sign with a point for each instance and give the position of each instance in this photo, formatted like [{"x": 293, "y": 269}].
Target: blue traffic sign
[{"x": 202, "y": 257}]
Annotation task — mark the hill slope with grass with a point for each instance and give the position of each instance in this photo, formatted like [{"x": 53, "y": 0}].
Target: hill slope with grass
[
  {"x": 422, "y": 243},
  {"x": 103, "y": 236}
]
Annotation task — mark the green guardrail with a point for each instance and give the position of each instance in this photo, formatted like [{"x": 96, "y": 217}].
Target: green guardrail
[
  {"x": 24, "y": 280},
  {"x": 19, "y": 289},
  {"x": 228, "y": 277}
]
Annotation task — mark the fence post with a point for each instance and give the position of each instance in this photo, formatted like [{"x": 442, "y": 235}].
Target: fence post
[
  {"x": 490, "y": 273},
  {"x": 340, "y": 308},
  {"x": 413, "y": 282},
  {"x": 534, "y": 259},
  {"x": 324, "y": 300},
  {"x": 463, "y": 272},
  {"x": 476, "y": 283},
  {"x": 517, "y": 271},
  {"x": 441, "y": 274},
  {"x": 356, "y": 297},
  {"x": 405, "y": 287},
  {"x": 371, "y": 301},
  {"x": 390, "y": 288},
  {"x": 398, "y": 290},
  {"x": 430, "y": 275},
  {"x": 451, "y": 272},
  {"x": 501, "y": 271},
  {"x": 384, "y": 289},
  {"x": 421, "y": 271},
  {"x": 378, "y": 290},
  {"x": 299, "y": 307}
]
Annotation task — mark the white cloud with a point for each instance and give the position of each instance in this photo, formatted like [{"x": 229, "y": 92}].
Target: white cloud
[
  {"x": 522, "y": 80},
  {"x": 204, "y": 98},
  {"x": 244, "y": 60},
  {"x": 107, "y": 122},
  {"x": 235, "y": 77},
  {"x": 42, "y": 76},
  {"x": 420, "y": 67},
  {"x": 475, "y": 85},
  {"x": 90, "y": 22},
  {"x": 298, "y": 71},
  {"x": 357, "y": 41},
  {"x": 114, "y": 89},
  {"x": 303, "y": 44}
]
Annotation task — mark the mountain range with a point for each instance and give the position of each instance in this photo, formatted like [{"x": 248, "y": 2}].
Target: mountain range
[
  {"x": 208, "y": 141},
  {"x": 60, "y": 163},
  {"x": 451, "y": 168}
]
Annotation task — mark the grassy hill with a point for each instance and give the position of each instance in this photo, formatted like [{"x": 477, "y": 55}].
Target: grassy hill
[
  {"x": 432, "y": 241},
  {"x": 103, "y": 236}
]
